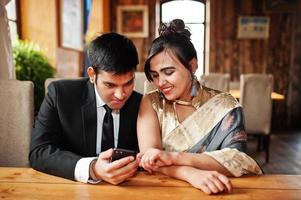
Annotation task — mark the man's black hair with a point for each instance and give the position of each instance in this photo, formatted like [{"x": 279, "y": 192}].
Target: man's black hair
[{"x": 112, "y": 52}]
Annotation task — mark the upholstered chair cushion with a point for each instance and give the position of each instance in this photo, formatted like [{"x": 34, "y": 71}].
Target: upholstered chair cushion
[
  {"x": 256, "y": 100},
  {"x": 217, "y": 81},
  {"x": 16, "y": 122}
]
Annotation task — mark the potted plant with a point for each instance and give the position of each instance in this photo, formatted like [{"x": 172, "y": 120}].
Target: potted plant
[{"x": 31, "y": 64}]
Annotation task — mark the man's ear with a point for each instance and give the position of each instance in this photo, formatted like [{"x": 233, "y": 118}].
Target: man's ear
[
  {"x": 193, "y": 65},
  {"x": 91, "y": 74}
]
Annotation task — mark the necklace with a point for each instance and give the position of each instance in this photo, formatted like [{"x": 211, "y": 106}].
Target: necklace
[{"x": 184, "y": 103}]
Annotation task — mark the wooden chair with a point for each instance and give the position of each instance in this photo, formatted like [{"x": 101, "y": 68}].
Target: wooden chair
[
  {"x": 234, "y": 85},
  {"x": 256, "y": 101},
  {"x": 16, "y": 122},
  {"x": 217, "y": 81}
]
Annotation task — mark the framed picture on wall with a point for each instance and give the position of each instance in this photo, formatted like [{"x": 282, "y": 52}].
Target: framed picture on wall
[
  {"x": 253, "y": 27},
  {"x": 71, "y": 24},
  {"x": 132, "y": 20}
]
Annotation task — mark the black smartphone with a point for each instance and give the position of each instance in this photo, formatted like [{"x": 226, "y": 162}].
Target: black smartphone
[{"x": 119, "y": 153}]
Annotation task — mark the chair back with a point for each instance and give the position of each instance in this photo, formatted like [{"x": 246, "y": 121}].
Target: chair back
[
  {"x": 256, "y": 90},
  {"x": 148, "y": 86},
  {"x": 140, "y": 78},
  {"x": 217, "y": 81},
  {"x": 16, "y": 122},
  {"x": 49, "y": 80},
  {"x": 234, "y": 85}
]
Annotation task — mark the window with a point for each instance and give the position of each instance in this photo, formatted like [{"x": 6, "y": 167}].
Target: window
[
  {"x": 193, "y": 14},
  {"x": 11, "y": 9}
]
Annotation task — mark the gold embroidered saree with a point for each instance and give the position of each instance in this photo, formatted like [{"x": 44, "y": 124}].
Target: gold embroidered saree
[{"x": 215, "y": 128}]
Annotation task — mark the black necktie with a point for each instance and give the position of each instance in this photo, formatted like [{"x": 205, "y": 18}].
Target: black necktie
[{"x": 107, "y": 140}]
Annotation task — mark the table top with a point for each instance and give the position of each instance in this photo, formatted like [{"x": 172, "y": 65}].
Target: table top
[
  {"x": 274, "y": 95},
  {"x": 26, "y": 183}
]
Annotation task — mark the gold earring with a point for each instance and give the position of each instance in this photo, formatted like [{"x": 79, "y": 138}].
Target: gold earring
[{"x": 195, "y": 86}]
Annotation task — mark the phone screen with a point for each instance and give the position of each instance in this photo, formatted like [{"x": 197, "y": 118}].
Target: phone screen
[{"x": 119, "y": 153}]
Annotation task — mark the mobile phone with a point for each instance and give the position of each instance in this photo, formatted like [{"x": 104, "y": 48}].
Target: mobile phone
[{"x": 119, "y": 153}]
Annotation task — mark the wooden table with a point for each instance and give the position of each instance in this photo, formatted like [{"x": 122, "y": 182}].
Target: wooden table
[
  {"x": 274, "y": 95},
  {"x": 26, "y": 183}
]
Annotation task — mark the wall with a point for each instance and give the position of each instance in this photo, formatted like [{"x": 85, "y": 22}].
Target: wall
[
  {"x": 278, "y": 55},
  {"x": 142, "y": 44},
  {"x": 39, "y": 24},
  {"x": 294, "y": 91},
  {"x": 99, "y": 22}
]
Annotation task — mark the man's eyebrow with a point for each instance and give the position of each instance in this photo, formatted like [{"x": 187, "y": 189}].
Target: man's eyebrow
[
  {"x": 113, "y": 84},
  {"x": 130, "y": 81},
  {"x": 108, "y": 82}
]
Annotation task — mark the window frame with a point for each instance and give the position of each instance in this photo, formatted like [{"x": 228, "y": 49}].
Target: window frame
[
  {"x": 205, "y": 24},
  {"x": 17, "y": 21}
]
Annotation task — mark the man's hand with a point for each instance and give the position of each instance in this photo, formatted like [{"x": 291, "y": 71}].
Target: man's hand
[{"x": 114, "y": 172}]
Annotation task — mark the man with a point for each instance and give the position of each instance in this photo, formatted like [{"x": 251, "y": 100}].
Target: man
[{"x": 75, "y": 119}]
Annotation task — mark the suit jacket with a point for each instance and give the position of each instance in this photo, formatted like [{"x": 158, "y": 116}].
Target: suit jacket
[{"x": 66, "y": 126}]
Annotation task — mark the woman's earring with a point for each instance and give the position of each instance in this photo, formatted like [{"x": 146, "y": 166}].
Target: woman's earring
[
  {"x": 161, "y": 95},
  {"x": 195, "y": 86}
]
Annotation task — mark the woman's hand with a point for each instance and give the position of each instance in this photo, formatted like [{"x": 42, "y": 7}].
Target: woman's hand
[
  {"x": 153, "y": 159},
  {"x": 210, "y": 182}
]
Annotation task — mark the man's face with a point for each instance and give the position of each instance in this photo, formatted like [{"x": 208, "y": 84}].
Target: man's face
[{"x": 114, "y": 89}]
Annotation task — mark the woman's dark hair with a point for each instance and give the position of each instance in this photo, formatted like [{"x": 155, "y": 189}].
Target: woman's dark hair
[
  {"x": 112, "y": 52},
  {"x": 176, "y": 37}
]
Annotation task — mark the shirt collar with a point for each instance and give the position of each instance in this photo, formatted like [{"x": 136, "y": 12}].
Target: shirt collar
[{"x": 99, "y": 101}]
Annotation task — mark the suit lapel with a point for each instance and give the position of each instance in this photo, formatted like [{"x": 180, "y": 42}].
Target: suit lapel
[{"x": 89, "y": 117}]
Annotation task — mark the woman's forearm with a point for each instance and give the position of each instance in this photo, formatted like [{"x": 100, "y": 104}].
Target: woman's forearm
[
  {"x": 207, "y": 181},
  {"x": 199, "y": 161},
  {"x": 178, "y": 172}
]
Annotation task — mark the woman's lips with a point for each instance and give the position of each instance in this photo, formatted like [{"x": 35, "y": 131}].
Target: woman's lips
[{"x": 166, "y": 90}]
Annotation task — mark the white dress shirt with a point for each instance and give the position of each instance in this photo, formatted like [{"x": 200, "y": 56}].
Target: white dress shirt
[{"x": 81, "y": 172}]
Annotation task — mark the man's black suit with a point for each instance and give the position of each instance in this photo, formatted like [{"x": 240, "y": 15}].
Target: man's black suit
[{"x": 65, "y": 129}]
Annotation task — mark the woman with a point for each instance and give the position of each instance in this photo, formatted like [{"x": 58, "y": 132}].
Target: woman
[{"x": 185, "y": 130}]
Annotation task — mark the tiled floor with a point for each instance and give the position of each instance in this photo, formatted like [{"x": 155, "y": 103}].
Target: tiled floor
[{"x": 285, "y": 153}]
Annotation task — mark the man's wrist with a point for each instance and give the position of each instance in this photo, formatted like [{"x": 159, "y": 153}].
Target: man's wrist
[{"x": 91, "y": 170}]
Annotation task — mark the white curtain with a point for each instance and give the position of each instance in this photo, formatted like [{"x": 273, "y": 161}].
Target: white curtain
[{"x": 7, "y": 69}]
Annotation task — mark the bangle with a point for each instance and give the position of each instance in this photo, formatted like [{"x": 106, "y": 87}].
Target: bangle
[{"x": 91, "y": 171}]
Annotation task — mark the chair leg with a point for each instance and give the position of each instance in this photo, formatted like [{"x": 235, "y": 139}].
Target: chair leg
[
  {"x": 267, "y": 148},
  {"x": 259, "y": 143}
]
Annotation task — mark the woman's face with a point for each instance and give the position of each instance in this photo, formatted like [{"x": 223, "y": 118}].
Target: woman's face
[{"x": 170, "y": 76}]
